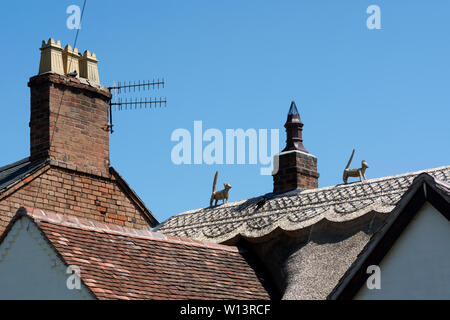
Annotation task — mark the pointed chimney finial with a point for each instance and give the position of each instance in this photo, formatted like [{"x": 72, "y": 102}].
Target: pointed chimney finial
[
  {"x": 294, "y": 128},
  {"x": 293, "y": 109},
  {"x": 295, "y": 167}
]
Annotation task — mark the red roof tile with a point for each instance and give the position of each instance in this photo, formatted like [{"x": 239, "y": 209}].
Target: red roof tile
[{"x": 123, "y": 263}]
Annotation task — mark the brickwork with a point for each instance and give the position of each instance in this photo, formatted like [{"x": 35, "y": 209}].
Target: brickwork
[
  {"x": 68, "y": 122},
  {"x": 68, "y": 133},
  {"x": 75, "y": 193},
  {"x": 296, "y": 170}
]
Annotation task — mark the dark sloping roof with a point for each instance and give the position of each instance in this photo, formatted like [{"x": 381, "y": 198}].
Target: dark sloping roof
[
  {"x": 258, "y": 217},
  {"x": 17, "y": 171},
  {"x": 122, "y": 263}
]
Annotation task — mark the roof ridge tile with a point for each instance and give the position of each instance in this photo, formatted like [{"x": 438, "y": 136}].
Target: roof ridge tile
[{"x": 39, "y": 215}]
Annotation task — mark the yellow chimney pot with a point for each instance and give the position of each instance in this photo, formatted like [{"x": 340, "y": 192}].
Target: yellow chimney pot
[
  {"x": 71, "y": 60},
  {"x": 51, "y": 57},
  {"x": 88, "y": 67}
]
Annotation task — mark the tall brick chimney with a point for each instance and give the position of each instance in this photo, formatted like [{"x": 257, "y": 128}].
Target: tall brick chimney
[
  {"x": 69, "y": 114},
  {"x": 297, "y": 168}
]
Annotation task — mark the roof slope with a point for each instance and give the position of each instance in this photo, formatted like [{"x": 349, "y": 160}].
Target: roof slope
[
  {"x": 121, "y": 263},
  {"x": 258, "y": 217},
  {"x": 16, "y": 171}
]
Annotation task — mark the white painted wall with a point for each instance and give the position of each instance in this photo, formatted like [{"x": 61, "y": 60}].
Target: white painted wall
[
  {"x": 30, "y": 268},
  {"x": 418, "y": 264}
]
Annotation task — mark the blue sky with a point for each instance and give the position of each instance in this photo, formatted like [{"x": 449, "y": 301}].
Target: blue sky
[{"x": 238, "y": 64}]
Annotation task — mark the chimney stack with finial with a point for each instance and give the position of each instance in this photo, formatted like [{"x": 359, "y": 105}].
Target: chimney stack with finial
[{"x": 295, "y": 168}]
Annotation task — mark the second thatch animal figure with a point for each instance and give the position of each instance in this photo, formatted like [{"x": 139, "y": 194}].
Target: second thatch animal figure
[
  {"x": 357, "y": 172},
  {"x": 219, "y": 195}
]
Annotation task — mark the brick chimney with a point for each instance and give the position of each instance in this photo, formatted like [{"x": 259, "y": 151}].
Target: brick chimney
[
  {"x": 297, "y": 168},
  {"x": 69, "y": 114}
]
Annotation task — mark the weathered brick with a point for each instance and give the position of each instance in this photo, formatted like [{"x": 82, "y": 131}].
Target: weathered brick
[
  {"x": 81, "y": 202},
  {"x": 79, "y": 112}
]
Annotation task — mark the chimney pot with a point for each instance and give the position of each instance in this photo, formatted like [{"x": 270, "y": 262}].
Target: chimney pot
[
  {"x": 51, "y": 57},
  {"x": 88, "y": 65},
  {"x": 71, "y": 60}
]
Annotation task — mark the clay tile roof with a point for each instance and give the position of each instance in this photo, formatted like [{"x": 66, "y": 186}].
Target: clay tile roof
[
  {"x": 259, "y": 217},
  {"x": 122, "y": 263}
]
